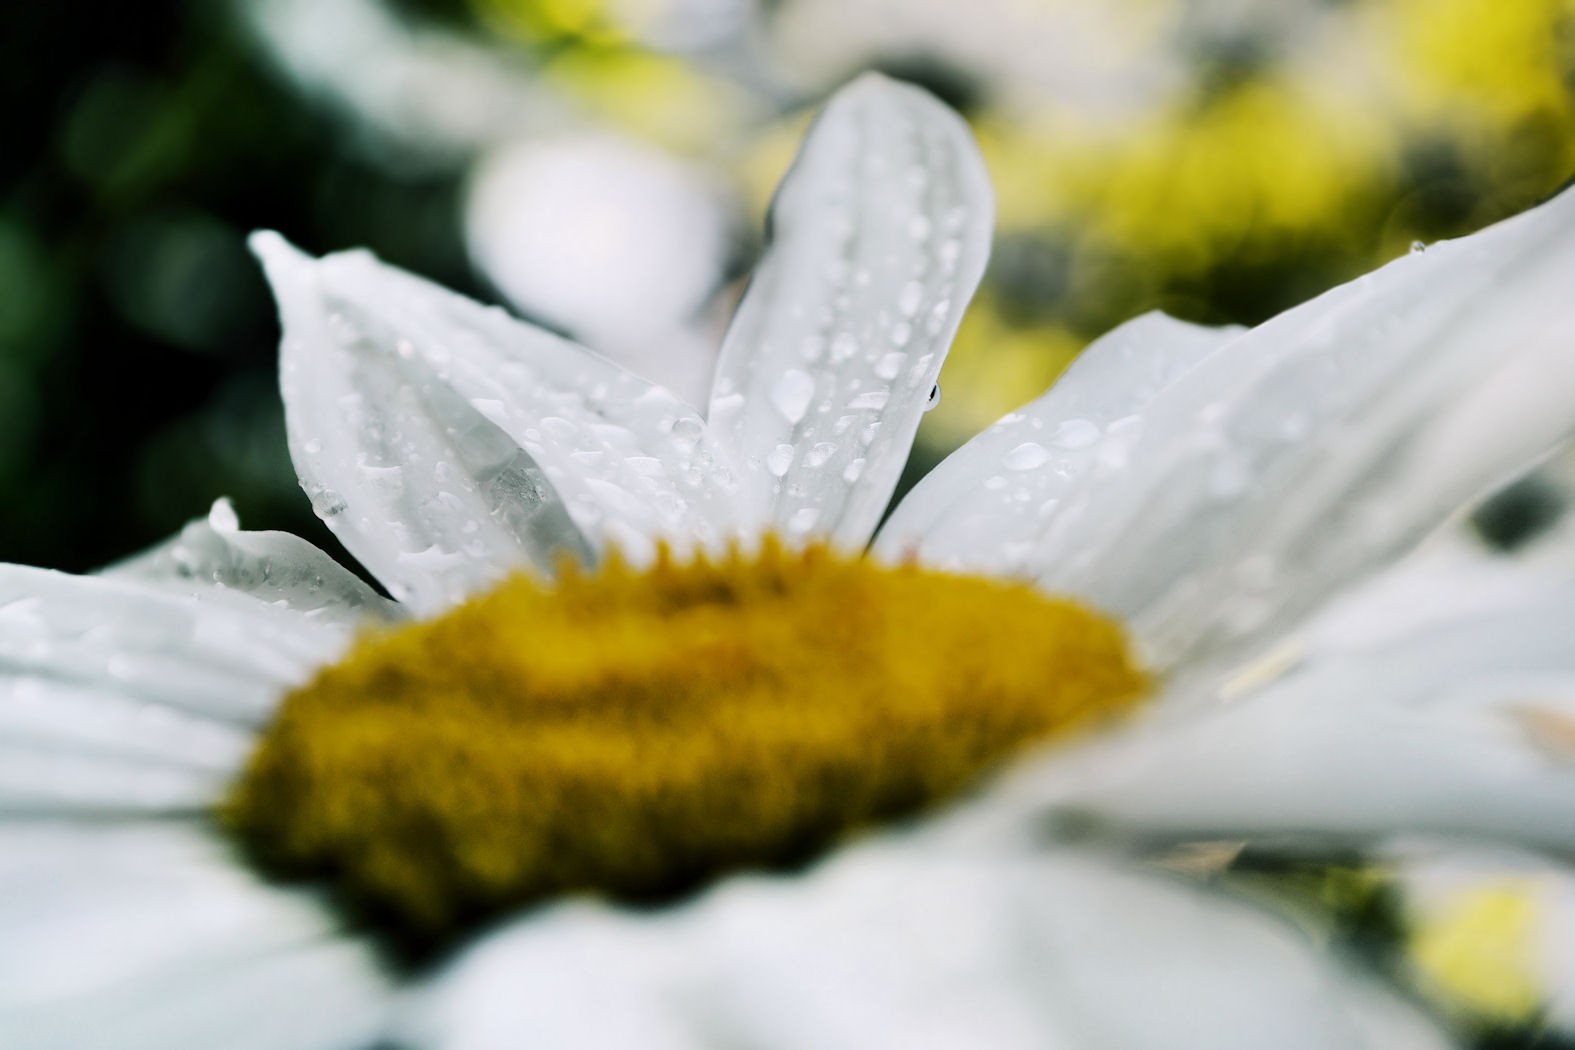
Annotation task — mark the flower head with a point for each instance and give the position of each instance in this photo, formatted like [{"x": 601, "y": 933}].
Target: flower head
[{"x": 651, "y": 657}]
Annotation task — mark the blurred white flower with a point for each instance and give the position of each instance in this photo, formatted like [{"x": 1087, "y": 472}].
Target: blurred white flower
[{"x": 1211, "y": 487}]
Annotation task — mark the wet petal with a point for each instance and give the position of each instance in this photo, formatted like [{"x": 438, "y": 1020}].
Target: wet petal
[
  {"x": 622, "y": 459},
  {"x": 1462, "y": 724},
  {"x": 414, "y": 480},
  {"x": 1328, "y": 440},
  {"x": 879, "y": 235},
  {"x": 272, "y": 567},
  {"x": 149, "y": 936},
  {"x": 220, "y": 655},
  {"x": 983, "y": 508},
  {"x": 886, "y": 947}
]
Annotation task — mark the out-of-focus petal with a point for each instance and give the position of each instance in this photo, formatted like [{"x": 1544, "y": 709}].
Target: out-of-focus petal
[
  {"x": 150, "y": 937},
  {"x": 1321, "y": 444},
  {"x": 904, "y": 946},
  {"x": 272, "y": 567},
  {"x": 1461, "y": 725},
  {"x": 617, "y": 243},
  {"x": 983, "y": 508},
  {"x": 119, "y": 694},
  {"x": 220, "y": 655},
  {"x": 879, "y": 235}
]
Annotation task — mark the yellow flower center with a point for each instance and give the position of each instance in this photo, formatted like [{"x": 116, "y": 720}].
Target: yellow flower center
[{"x": 634, "y": 734}]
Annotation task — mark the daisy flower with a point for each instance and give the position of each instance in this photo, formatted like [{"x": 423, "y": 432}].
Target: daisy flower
[{"x": 647, "y": 751}]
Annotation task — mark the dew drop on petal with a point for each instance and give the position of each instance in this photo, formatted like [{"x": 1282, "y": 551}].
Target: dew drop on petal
[
  {"x": 792, "y": 394},
  {"x": 818, "y": 455},
  {"x": 779, "y": 459},
  {"x": 1027, "y": 456},
  {"x": 1075, "y": 433},
  {"x": 889, "y": 365},
  {"x": 803, "y": 519}
]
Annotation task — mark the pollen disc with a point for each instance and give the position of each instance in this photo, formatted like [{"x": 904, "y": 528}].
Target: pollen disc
[{"x": 635, "y": 734}]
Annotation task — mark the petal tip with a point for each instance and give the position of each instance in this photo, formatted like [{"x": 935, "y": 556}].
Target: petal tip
[{"x": 278, "y": 256}]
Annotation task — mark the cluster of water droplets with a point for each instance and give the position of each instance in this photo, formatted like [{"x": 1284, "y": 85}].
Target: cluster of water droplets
[
  {"x": 447, "y": 442},
  {"x": 865, "y": 280}
]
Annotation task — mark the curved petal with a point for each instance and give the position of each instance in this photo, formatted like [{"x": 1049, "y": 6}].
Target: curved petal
[
  {"x": 272, "y": 567},
  {"x": 413, "y": 479},
  {"x": 123, "y": 695},
  {"x": 220, "y": 655},
  {"x": 1462, "y": 725},
  {"x": 879, "y": 235},
  {"x": 896, "y": 947},
  {"x": 464, "y": 441},
  {"x": 148, "y": 936},
  {"x": 982, "y": 509},
  {"x": 1328, "y": 440}
]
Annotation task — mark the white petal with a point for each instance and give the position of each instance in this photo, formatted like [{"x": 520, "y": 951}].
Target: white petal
[
  {"x": 627, "y": 457},
  {"x": 431, "y": 497},
  {"x": 214, "y": 653},
  {"x": 1326, "y": 441},
  {"x": 1461, "y": 726},
  {"x": 879, "y": 235},
  {"x": 149, "y": 936},
  {"x": 893, "y": 946},
  {"x": 526, "y": 442},
  {"x": 983, "y": 508},
  {"x": 45, "y": 716},
  {"x": 270, "y": 566}
]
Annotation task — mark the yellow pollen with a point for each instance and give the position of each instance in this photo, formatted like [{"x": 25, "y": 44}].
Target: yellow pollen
[{"x": 635, "y": 733}]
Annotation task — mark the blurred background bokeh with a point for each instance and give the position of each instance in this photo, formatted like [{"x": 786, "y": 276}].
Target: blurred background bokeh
[{"x": 603, "y": 165}]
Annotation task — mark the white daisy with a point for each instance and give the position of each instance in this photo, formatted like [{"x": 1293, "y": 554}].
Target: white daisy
[{"x": 1210, "y": 488}]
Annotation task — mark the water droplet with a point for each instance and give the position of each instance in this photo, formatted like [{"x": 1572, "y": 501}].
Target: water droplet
[
  {"x": 870, "y": 399},
  {"x": 843, "y": 347},
  {"x": 995, "y": 482},
  {"x": 889, "y": 365},
  {"x": 1229, "y": 478},
  {"x": 779, "y": 459},
  {"x": 901, "y": 332},
  {"x": 1027, "y": 456},
  {"x": 851, "y": 472},
  {"x": 934, "y": 398},
  {"x": 1075, "y": 433},
  {"x": 803, "y": 519},
  {"x": 312, "y": 447},
  {"x": 818, "y": 455},
  {"x": 910, "y": 298},
  {"x": 792, "y": 394},
  {"x": 686, "y": 433},
  {"x": 1418, "y": 247},
  {"x": 939, "y": 315}
]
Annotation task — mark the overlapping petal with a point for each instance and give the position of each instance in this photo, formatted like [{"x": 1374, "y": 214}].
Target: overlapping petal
[
  {"x": 1437, "y": 703},
  {"x": 1319, "y": 445},
  {"x": 902, "y": 945},
  {"x": 984, "y": 508},
  {"x": 273, "y": 567},
  {"x": 148, "y": 936},
  {"x": 878, "y": 237}
]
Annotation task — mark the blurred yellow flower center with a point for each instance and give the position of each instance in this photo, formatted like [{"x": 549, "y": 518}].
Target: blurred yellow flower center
[{"x": 633, "y": 734}]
